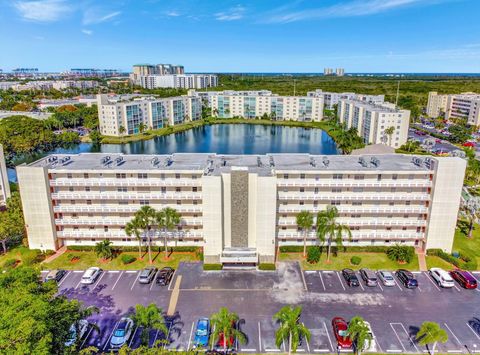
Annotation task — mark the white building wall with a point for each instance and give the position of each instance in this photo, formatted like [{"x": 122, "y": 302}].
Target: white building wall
[{"x": 212, "y": 218}]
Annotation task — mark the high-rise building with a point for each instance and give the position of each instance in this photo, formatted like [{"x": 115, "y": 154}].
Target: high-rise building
[
  {"x": 374, "y": 121},
  {"x": 120, "y": 116},
  {"x": 454, "y": 106},
  {"x": 340, "y": 72},
  {"x": 327, "y": 71},
  {"x": 240, "y": 208},
  {"x": 333, "y": 98},
  {"x": 179, "y": 81}
]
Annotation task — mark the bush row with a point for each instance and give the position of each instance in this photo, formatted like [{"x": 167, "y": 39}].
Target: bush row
[
  {"x": 365, "y": 249},
  {"x": 184, "y": 249},
  {"x": 464, "y": 261},
  {"x": 267, "y": 267},
  {"x": 210, "y": 267}
]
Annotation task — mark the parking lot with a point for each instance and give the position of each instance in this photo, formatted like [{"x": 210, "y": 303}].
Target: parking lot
[{"x": 395, "y": 313}]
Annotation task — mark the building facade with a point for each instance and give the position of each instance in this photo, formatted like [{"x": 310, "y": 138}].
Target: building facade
[
  {"x": 119, "y": 117},
  {"x": 4, "y": 184},
  {"x": 240, "y": 208},
  {"x": 373, "y": 121},
  {"x": 252, "y": 104},
  {"x": 178, "y": 81},
  {"x": 140, "y": 70},
  {"x": 333, "y": 98},
  {"x": 455, "y": 106},
  {"x": 437, "y": 104}
]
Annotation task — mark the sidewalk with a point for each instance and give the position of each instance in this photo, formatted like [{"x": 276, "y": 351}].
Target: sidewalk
[
  {"x": 422, "y": 262},
  {"x": 56, "y": 255}
]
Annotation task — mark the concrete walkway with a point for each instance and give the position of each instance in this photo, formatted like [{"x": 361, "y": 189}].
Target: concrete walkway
[
  {"x": 174, "y": 296},
  {"x": 59, "y": 252},
  {"x": 422, "y": 262}
]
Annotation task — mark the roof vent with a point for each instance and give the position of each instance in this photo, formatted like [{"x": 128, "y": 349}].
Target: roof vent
[
  {"x": 428, "y": 162},
  {"x": 168, "y": 161},
  {"x": 155, "y": 162},
  {"x": 417, "y": 161},
  {"x": 325, "y": 162},
  {"x": 272, "y": 161},
  {"x": 119, "y": 161},
  {"x": 363, "y": 162},
  {"x": 259, "y": 162},
  {"x": 375, "y": 161},
  {"x": 313, "y": 162}
]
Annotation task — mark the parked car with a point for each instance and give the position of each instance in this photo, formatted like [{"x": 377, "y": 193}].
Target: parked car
[
  {"x": 386, "y": 277},
  {"x": 122, "y": 333},
  {"x": 340, "y": 329},
  {"x": 350, "y": 277},
  {"x": 441, "y": 277},
  {"x": 368, "y": 277},
  {"x": 164, "y": 276},
  {"x": 372, "y": 347},
  {"x": 56, "y": 275},
  {"x": 147, "y": 274},
  {"x": 82, "y": 330},
  {"x": 407, "y": 278},
  {"x": 464, "y": 278},
  {"x": 202, "y": 333},
  {"x": 469, "y": 144},
  {"x": 91, "y": 275}
]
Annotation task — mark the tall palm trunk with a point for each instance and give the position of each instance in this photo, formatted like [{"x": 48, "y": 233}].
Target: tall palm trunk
[
  {"x": 166, "y": 254},
  {"x": 224, "y": 341},
  {"x": 470, "y": 228},
  {"x": 329, "y": 248},
  {"x": 139, "y": 248},
  {"x": 149, "y": 242},
  {"x": 290, "y": 343},
  {"x": 305, "y": 243}
]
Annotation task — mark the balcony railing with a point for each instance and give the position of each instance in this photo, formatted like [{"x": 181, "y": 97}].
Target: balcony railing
[
  {"x": 113, "y": 222},
  {"x": 363, "y": 222},
  {"x": 356, "y": 235},
  {"x": 125, "y": 182},
  {"x": 355, "y": 196},
  {"x": 122, "y": 208},
  {"x": 113, "y": 195},
  {"x": 118, "y": 235},
  {"x": 352, "y": 183}
]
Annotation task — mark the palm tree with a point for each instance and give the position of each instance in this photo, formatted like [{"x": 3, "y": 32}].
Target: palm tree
[
  {"x": 168, "y": 219},
  {"x": 360, "y": 334},
  {"x": 134, "y": 228},
  {"x": 122, "y": 130},
  {"x": 471, "y": 208},
  {"x": 305, "y": 222},
  {"x": 224, "y": 323},
  {"x": 149, "y": 317},
  {"x": 290, "y": 328},
  {"x": 431, "y": 333},
  {"x": 142, "y": 127},
  {"x": 104, "y": 249},
  {"x": 328, "y": 229},
  {"x": 389, "y": 132},
  {"x": 147, "y": 219}
]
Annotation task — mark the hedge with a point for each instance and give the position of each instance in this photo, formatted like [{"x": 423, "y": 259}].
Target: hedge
[
  {"x": 212, "y": 267},
  {"x": 267, "y": 267},
  {"x": 313, "y": 255},
  {"x": 365, "y": 249},
  {"x": 464, "y": 261},
  {"x": 291, "y": 249},
  {"x": 184, "y": 249}
]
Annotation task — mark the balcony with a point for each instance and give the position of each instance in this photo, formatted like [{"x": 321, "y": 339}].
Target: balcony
[
  {"x": 357, "y": 235},
  {"x": 363, "y": 222},
  {"x": 122, "y": 208},
  {"x": 115, "y": 235},
  {"x": 112, "y": 222},
  {"x": 352, "y": 183},
  {"x": 355, "y": 196},
  {"x": 113, "y": 195},
  {"x": 125, "y": 182}
]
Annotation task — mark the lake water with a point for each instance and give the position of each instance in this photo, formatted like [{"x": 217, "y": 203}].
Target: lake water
[{"x": 222, "y": 139}]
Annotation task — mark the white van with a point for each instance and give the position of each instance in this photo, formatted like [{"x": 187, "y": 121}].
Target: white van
[
  {"x": 91, "y": 275},
  {"x": 442, "y": 277}
]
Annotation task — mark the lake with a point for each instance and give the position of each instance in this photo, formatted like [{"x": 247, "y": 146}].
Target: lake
[{"x": 222, "y": 139}]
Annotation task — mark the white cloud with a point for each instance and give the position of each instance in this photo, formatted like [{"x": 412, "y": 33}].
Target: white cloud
[
  {"x": 93, "y": 16},
  {"x": 346, "y": 9},
  {"x": 43, "y": 10},
  {"x": 172, "y": 13},
  {"x": 233, "y": 14},
  {"x": 88, "y": 32}
]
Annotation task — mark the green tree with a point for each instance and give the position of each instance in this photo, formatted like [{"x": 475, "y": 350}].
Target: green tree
[
  {"x": 400, "y": 253},
  {"x": 134, "y": 227},
  {"x": 12, "y": 225},
  {"x": 410, "y": 146},
  {"x": 147, "y": 220},
  {"x": 360, "y": 334},
  {"x": 104, "y": 249},
  {"x": 471, "y": 208},
  {"x": 389, "y": 132},
  {"x": 84, "y": 313},
  {"x": 142, "y": 127},
  {"x": 224, "y": 323},
  {"x": 305, "y": 223},
  {"x": 122, "y": 130},
  {"x": 290, "y": 329},
  {"x": 328, "y": 229},
  {"x": 95, "y": 136},
  {"x": 168, "y": 220},
  {"x": 431, "y": 333},
  {"x": 149, "y": 317}
]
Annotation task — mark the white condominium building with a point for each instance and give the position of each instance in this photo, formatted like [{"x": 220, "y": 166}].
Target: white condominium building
[
  {"x": 374, "y": 121},
  {"x": 119, "y": 117},
  {"x": 333, "y": 98},
  {"x": 239, "y": 208},
  {"x": 4, "y": 184},
  {"x": 252, "y": 104},
  {"x": 464, "y": 106},
  {"x": 178, "y": 81}
]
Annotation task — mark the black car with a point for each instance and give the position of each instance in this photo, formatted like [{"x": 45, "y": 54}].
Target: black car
[
  {"x": 407, "y": 278},
  {"x": 147, "y": 275},
  {"x": 164, "y": 276},
  {"x": 56, "y": 275},
  {"x": 350, "y": 277}
]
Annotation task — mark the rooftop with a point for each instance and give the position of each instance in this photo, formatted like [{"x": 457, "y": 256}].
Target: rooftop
[{"x": 215, "y": 164}]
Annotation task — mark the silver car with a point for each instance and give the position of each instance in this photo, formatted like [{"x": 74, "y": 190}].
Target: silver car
[
  {"x": 122, "y": 332},
  {"x": 386, "y": 277}
]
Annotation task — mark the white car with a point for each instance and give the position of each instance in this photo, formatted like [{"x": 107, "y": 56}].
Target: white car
[
  {"x": 442, "y": 277},
  {"x": 372, "y": 347},
  {"x": 121, "y": 333},
  {"x": 386, "y": 277},
  {"x": 82, "y": 330},
  {"x": 91, "y": 275}
]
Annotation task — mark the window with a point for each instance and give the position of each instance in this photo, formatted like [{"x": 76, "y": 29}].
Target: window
[
  {"x": 87, "y": 188},
  {"x": 338, "y": 176},
  {"x": 356, "y": 203},
  {"x": 121, "y": 176},
  {"x": 358, "y": 189},
  {"x": 121, "y": 189},
  {"x": 335, "y": 203},
  {"x": 123, "y": 202},
  {"x": 89, "y": 202},
  {"x": 69, "y": 176},
  {"x": 177, "y": 189},
  {"x": 179, "y": 202},
  {"x": 144, "y": 202},
  {"x": 285, "y": 176},
  {"x": 194, "y": 189},
  {"x": 302, "y": 176},
  {"x": 177, "y": 176},
  {"x": 359, "y": 177},
  {"x": 164, "y": 189},
  {"x": 302, "y": 189},
  {"x": 70, "y": 188},
  {"x": 336, "y": 190},
  {"x": 142, "y": 175},
  {"x": 407, "y": 203},
  {"x": 394, "y": 177},
  {"x": 105, "y": 228}
]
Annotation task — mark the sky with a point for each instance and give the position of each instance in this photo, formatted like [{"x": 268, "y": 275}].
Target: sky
[{"x": 428, "y": 36}]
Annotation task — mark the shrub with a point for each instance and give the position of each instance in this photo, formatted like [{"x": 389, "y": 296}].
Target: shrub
[
  {"x": 10, "y": 263},
  {"x": 313, "y": 255},
  {"x": 211, "y": 267},
  {"x": 127, "y": 259},
  {"x": 291, "y": 249},
  {"x": 366, "y": 249},
  {"x": 72, "y": 257},
  {"x": 355, "y": 260},
  {"x": 267, "y": 267},
  {"x": 401, "y": 253},
  {"x": 29, "y": 259}
]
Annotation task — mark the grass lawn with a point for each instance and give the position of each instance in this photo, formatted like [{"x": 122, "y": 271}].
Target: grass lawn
[
  {"x": 463, "y": 243},
  {"x": 435, "y": 261},
  {"x": 88, "y": 259},
  {"x": 374, "y": 261},
  {"x": 21, "y": 253}
]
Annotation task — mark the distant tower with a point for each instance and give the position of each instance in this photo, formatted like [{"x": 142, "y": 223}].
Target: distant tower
[
  {"x": 340, "y": 72},
  {"x": 327, "y": 71}
]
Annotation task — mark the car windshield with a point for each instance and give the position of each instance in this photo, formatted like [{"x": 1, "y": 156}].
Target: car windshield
[
  {"x": 201, "y": 332},
  {"x": 342, "y": 333},
  {"x": 387, "y": 277},
  {"x": 145, "y": 273},
  {"x": 119, "y": 333}
]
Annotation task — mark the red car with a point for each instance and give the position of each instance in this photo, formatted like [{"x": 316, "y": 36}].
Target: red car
[
  {"x": 464, "y": 278},
  {"x": 223, "y": 342},
  {"x": 340, "y": 328},
  {"x": 469, "y": 144}
]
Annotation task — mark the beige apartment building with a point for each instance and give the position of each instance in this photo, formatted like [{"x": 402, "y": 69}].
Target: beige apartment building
[
  {"x": 373, "y": 119},
  {"x": 252, "y": 104},
  {"x": 456, "y": 106},
  {"x": 240, "y": 208},
  {"x": 119, "y": 116}
]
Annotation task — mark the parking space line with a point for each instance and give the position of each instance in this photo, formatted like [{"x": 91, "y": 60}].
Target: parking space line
[
  {"x": 190, "y": 337},
  {"x": 379, "y": 283},
  {"x": 339, "y": 279},
  {"x": 394, "y": 350},
  {"x": 398, "y": 338},
  {"x": 306, "y": 340},
  {"x": 64, "y": 278},
  {"x": 110, "y": 336},
  {"x": 429, "y": 276},
  {"x": 458, "y": 341},
  {"x": 360, "y": 280},
  {"x": 167, "y": 336},
  {"x": 78, "y": 284},
  {"x": 259, "y": 337},
  {"x": 473, "y": 331},
  {"x": 115, "y": 284},
  {"x": 171, "y": 280},
  {"x": 131, "y": 271},
  {"x": 98, "y": 281},
  {"x": 77, "y": 271},
  {"x": 328, "y": 336},
  {"x": 113, "y": 271},
  {"x": 213, "y": 332},
  {"x": 321, "y": 278},
  {"x": 87, "y": 335},
  {"x": 321, "y": 350},
  {"x": 248, "y": 350},
  {"x": 153, "y": 283},
  {"x": 396, "y": 283},
  {"x": 456, "y": 288},
  {"x": 133, "y": 337},
  {"x": 408, "y": 335},
  {"x": 135, "y": 281},
  {"x": 303, "y": 279}
]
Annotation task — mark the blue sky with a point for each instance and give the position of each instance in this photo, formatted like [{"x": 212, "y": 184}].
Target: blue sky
[{"x": 243, "y": 36}]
